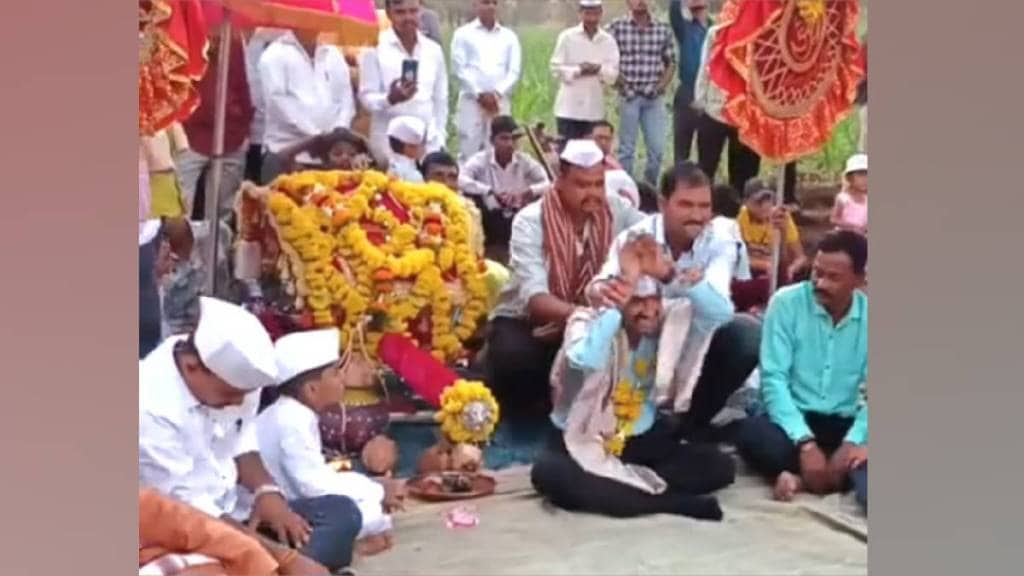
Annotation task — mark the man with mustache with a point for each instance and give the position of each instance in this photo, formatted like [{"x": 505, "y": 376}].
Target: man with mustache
[
  {"x": 697, "y": 262},
  {"x": 814, "y": 366},
  {"x": 557, "y": 244},
  {"x": 619, "y": 457}
]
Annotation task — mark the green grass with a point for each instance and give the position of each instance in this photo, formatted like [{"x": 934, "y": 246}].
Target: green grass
[{"x": 534, "y": 100}]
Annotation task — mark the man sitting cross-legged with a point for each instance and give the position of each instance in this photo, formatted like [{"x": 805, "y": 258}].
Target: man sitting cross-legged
[
  {"x": 558, "y": 243},
  {"x": 814, "y": 365},
  {"x": 697, "y": 261},
  {"x": 613, "y": 453}
]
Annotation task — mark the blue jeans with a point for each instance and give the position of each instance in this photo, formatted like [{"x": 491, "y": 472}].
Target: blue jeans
[
  {"x": 651, "y": 116},
  {"x": 336, "y": 522}
]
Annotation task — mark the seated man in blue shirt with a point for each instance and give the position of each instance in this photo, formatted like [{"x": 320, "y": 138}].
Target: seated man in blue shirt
[
  {"x": 613, "y": 453},
  {"x": 814, "y": 366}
]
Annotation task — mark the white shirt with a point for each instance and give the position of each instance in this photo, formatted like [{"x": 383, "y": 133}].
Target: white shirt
[
  {"x": 304, "y": 97},
  {"x": 290, "y": 446},
  {"x": 582, "y": 97},
  {"x": 486, "y": 60},
  {"x": 254, "y": 48},
  {"x": 186, "y": 450},
  {"x": 382, "y": 65}
]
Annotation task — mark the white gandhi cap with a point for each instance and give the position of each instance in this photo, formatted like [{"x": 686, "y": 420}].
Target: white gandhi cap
[
  {"x": 233, "y": 344},
  {"x": 590, "y": 3},
  {"x": 582, "y": 153},
  {"x": 646, "y": 286},
  {"x": 304, "y": 351},
  {"x": 407, "y": 129}
]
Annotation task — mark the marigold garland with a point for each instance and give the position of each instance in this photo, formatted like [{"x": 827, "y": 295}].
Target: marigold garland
[
  {"x": 360, "y": 243},
  {"x": 627, "y": 404},
  {"x": 469, "y": 412}
]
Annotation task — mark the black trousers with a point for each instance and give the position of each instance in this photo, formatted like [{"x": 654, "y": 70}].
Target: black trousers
[
  {"x": 518, "y": 367},
  {"x": 743, "y": 162},
  {"x": 497, "y": 231},
  {"x": 690, "y": 470},
  {"x": 769, "y": 451},
  {"x": 573, "y": 129},
  {"x": 685, "y": 122},
  {"x": 150, "y": 312},
  {"x": 254, "y": 164}
]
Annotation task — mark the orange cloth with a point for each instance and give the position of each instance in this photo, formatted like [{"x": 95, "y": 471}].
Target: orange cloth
[
  {"x": 172, "y": 59},
  {"x": 167, "y": 526},
  {"x": 789, "y": 70}
]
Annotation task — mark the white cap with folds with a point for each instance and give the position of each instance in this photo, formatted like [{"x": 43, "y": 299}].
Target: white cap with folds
[
  {"x": 646, "y": 286},
  {"x": 582, "y": 153},
  {"x": 407, "y": 129},
  {"x": 590, "y": 3},
  {"x": 857, "y": 163},
  {"x": 233, "y": 344},
  {"x": 304, "y": 351}
]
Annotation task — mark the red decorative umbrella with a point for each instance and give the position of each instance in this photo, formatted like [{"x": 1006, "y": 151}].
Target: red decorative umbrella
[
  {"x": 789, "y": 70},
  {"x": 353, "y": 20},
  {"x": 172, "y": 58}
]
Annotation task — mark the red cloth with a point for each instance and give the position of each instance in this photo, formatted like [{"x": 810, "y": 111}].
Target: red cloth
[
  {"x": 199, "y": 127},
  {"x": 176, "y": 33},
  {"x": 421, "y": 371}
]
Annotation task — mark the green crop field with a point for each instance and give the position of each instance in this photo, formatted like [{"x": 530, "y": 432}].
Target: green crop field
[{"x": 534, "y": 100}]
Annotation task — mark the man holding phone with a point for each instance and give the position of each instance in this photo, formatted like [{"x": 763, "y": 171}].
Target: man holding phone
[{"x": 405, "y": 75}]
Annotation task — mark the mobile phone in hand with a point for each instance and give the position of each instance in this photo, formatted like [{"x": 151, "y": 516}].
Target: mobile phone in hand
[{"x": 410, "y": 71}]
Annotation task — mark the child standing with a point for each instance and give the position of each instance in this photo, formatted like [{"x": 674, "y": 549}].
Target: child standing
[
  {"x": 850, "y": 211},
  {"x": 313, "y": 379}
]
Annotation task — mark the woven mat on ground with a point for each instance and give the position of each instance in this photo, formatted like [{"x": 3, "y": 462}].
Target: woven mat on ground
[{"x": 520, "y": 535}]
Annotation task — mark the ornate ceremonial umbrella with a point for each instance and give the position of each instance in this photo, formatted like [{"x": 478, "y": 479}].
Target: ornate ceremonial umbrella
[
  {"x": 789, "y": 70},
  {"x": 353, "y": 20},
  {"x": 172, "y": 58}
]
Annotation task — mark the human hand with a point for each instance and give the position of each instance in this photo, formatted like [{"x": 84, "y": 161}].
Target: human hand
[
  {"x": 271, "y": 510},
  {"x": 589, "y": 69},
  {"x": 691, "y": 276},
  {"x": 401, "y": 91},
  {"x": 653, "y": 261},
  {"x": 780, "y": 218},
  {"x": 814, "y": 468},
  {"x": 489, "y": 102}
]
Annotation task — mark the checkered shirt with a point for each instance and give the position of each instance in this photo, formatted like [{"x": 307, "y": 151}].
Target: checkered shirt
[{"x": 645, "y": 52}]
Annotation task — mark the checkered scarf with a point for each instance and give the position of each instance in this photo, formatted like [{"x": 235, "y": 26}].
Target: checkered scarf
[{"x": 570, "y": 273}]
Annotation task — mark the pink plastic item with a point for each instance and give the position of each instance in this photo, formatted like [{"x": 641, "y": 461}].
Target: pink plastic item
[{"x": 461, "y": 517}]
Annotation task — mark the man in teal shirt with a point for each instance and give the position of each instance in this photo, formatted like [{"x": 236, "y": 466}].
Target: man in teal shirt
[{"x": 814, "y": 365}]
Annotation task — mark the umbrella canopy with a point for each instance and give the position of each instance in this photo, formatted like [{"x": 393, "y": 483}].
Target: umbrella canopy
[
  {"x": 172, "y": 58},
  {"x": 353, "y": 20},
  {"x": 789, "y": 70}
]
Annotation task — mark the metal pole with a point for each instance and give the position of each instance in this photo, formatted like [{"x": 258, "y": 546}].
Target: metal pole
[
  {"x": 780, "y": 188},
  {"x": 211, "y": 212}
]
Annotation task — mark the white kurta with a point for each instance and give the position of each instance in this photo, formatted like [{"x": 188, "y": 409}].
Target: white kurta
[
  {"x": 186, "y": 450},
  {"x": 382, "y": 65},
  {"x": 289, "y": 442}
]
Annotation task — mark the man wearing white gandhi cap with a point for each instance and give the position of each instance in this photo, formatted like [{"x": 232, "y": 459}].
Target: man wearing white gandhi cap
[
  {"x": 619, "y": 458},
  {"x": 313, "y": 379},
  {"x": 557, "y": 244},
  {"x": 198, "y": 398}
]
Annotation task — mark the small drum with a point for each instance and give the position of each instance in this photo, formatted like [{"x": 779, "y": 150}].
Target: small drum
[{"x": 346, "y": 430}]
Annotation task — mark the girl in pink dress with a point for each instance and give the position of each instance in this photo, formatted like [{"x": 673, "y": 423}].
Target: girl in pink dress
[{"x": 850, "y": 211}]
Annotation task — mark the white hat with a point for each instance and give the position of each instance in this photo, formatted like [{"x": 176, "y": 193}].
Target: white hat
[
  {"x": 590, "y": 3},
  {"x": 646, "y": 286},
  {"x": 407, "y": 129},
  {"x": 304, "y": 351},
  {"x": 857, "y": 163},
  {"x": 234, "y": 345},
  {"x": 620, "y": 183},
  {"x": 582, "y": 153}
]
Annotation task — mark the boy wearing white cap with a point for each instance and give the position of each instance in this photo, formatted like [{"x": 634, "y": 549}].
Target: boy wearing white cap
[
  {"x": 406, "y": 138},
  {"x": 198, "y": 397},
  {"x": 313, "y": 378},
  {"x": 619, "y": 457},
  {"x": 557, "y": 244}
]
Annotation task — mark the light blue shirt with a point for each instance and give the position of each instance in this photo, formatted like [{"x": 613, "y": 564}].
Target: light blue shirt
[
  {"x": 811, "y": 364},
  {"x": 591, "y": 355}
]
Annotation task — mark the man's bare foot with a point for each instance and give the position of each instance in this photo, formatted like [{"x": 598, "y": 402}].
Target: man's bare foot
[
  {"x": 786, "y": 486},
  {"x": 375, "y": 544}
]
